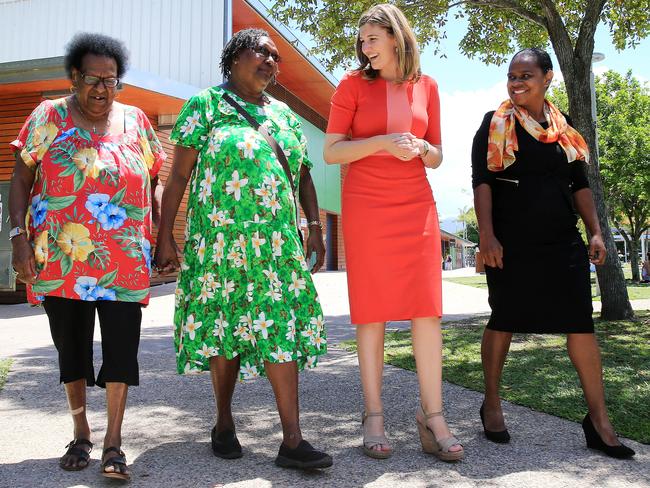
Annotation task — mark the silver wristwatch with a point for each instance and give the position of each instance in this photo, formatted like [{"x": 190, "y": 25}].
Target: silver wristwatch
[{"x": 15, "y": 232}]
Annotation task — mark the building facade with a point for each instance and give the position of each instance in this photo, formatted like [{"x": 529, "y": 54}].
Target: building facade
[{"x": 175, "y": 48}]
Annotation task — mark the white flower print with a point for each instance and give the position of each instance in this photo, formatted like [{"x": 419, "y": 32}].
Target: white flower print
[
  {"x": 262, "y": 324},
  {"x": 235, "y": 185},
  {"x": 249, "y": 372},
  {"x": 249, "y": 291},
  {"x": 206, "y": 351},
  {"x": 209, "y": 177},
  {"x": 234, "y": 255},
  {"x": 276, "y": 243},
  {"x": 318, "y": 323},
  {"x": 248, "y": 146},
  {"x": 275, "y": 293},
  {"x": 257, "y": 242},
  {"x": 317, "y": 340},
  {"x": 297, "y": 284},
  {"x": 217, "y": 253},
  {"x": 301, "y": 260},
  {"x": 309, "y": 333},
  {"x": 311, "y": 361},
  {"x": 291, "y": 327},
  {"x": 271, "y": 182},
  {"x": 201, "y": 251},
  {"x": 191, "y": 326},
  {"x": 281, "y": 356},
  {"x": 220, "y": 326},
  {"x": 273, "y": 204},
  {"x": 263, "y": 191},
  {"x": 271, "y": 275},
  {"x": 213, "y": 147},
  {"x": 204, "y": 193},
  {"x": 226, "y": 289},
  {"x": 190, "y": 369},
  {"x": 191, "y": 123},
  {"x": 205, "y": 294}
]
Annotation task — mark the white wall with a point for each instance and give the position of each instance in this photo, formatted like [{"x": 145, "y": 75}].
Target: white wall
[{"x": 176, "y": 39}]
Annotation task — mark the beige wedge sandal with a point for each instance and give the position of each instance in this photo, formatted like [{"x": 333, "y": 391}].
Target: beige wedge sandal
[
  {"x": 431, "y": 445},
  {"x": 372, "y": 441}
]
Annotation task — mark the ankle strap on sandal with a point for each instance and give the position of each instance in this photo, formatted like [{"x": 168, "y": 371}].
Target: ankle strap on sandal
[{"x": 432, "y": 414}]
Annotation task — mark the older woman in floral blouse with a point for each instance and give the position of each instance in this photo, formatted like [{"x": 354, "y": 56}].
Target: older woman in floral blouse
[{"x": 85, "y": 178}]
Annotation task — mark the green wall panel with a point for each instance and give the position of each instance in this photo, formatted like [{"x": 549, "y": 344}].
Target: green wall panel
[{"x": 327, "y": 178}]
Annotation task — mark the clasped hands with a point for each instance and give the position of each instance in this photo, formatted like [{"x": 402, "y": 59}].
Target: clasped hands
[{"x": 403, "y": 145}]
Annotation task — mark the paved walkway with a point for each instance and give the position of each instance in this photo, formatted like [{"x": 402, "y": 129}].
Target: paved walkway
[{"x": 166, "y": 431}]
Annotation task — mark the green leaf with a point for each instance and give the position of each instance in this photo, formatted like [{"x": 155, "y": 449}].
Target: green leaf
[
  {"x": 57, "y": 203},
  {"x": 66, "y": 264},
  {"x": 46, "y": 285},
  {"x": 107, "y": 279},
  {"x": 126, "y": 295},
  {"x": 134, "y": 212},
  {"x": 79, "y": 180},
  {"x": 70, "y": 170},
  {"x": 118, "y": 197}
]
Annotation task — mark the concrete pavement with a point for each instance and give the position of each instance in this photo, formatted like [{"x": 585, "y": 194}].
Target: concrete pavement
[{"x": 168, "y": 419}]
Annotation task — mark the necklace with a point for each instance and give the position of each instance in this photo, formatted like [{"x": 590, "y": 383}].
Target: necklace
[{"x": 83, "y": 116}]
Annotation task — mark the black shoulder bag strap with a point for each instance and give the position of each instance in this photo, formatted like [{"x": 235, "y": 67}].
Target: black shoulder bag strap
[{"x": 279, "y": 153}]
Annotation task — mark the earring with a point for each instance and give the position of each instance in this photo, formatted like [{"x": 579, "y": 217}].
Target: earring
[{"x": 73, "y": 88}]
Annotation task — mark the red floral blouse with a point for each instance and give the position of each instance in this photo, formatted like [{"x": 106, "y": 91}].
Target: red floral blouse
[{"x": 89, "y": 215}]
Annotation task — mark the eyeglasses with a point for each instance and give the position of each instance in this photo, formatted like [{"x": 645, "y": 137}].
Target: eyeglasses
[
  {"x": 110, "y": 82},
  {"x": 265, "y": 53}
]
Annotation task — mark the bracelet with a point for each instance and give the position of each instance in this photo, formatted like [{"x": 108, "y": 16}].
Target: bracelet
[
  {"x": 315, "y": 222},
  {"x": 425, "y": 144}
]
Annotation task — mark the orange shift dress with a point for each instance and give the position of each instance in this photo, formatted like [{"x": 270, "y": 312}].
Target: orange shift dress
[{"x": 390, "y": 222}]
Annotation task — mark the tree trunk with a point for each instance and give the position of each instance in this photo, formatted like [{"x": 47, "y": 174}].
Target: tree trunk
[
  {"x": 615, "y": 301},
  {"x": 634, "y": 259}
]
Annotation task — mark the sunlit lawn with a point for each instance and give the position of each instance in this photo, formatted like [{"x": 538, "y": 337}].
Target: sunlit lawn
[
  {"x": 636, "y": 291},
  {"x": 539, "y": 374}
]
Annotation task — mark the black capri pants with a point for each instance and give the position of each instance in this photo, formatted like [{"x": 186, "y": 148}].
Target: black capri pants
[{"x": 72, "y": 323}]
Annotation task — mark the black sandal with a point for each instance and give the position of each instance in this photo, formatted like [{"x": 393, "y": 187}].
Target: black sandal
[
  {"x": 115, "y": 462},
  {"x": 225, "y": 444},
  {"x": 74, "y": 449},
  {"x": 303, "y": 456}
]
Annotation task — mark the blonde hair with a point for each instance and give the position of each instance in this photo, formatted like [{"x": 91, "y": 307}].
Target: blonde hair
[{"x": 408, "y": 54}]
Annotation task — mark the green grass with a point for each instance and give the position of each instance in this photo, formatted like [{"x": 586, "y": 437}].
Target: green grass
[
  {"x": 636, "y": 291},
  {"x": 539, "y": 374},
  {"x": 5, "y": 364}
]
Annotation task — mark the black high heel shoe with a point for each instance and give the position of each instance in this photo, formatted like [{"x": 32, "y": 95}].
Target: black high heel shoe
[
  {"x": 595, "y": 442},
  {"x": 501, "y": 437}
]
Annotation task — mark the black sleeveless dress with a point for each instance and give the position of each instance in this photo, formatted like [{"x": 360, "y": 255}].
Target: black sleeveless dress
[{"x": 544, "y": 285}]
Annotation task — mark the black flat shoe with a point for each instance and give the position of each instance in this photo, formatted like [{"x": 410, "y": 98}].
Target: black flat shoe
[
  {"x": 595, "y": 442},
  {"x": 501, "y": 437},
  {"x": 303, "y": 456},
  {"x": 225, "y": 444}
]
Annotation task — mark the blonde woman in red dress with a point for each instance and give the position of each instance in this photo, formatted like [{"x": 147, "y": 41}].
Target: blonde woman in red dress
[{"x": 385, "y": 122}]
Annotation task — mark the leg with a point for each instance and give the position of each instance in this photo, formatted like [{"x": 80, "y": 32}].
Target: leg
[
  {"x": 370, "y": 352},
  {"x": 224, "y": 373},
  {"x": 585, "y": 356},
  {"x": 120, "y": 324},
  {"x": 284, "y": 380},
  {"x": 427, "y": 349},
  {"x": 494, "y": 350},
  {"x": 73, "y": 341}
]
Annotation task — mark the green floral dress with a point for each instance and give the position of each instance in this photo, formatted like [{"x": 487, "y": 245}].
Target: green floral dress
[{"x": 244, "y": 288}]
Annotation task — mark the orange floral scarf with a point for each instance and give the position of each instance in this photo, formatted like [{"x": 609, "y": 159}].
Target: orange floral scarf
[{"x": 502, "y": 138}]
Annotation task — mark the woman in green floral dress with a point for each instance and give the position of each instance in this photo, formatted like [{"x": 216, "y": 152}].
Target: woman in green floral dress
[{"x": 245, "y": 303}]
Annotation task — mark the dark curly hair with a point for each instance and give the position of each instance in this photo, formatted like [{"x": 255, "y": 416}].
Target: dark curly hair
[
  {"x": 542, "y": 58},
  {"x": 244, "y": 39},
  {"x": 99, "y": 44}
]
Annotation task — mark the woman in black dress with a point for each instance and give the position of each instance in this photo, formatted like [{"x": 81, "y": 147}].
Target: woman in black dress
[{"x": 529, "y": 181}]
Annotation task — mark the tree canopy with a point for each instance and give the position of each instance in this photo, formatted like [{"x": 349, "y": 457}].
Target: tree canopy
[
  {"x": 623, "y": 107},
  {"x": 496, "y": 28}
]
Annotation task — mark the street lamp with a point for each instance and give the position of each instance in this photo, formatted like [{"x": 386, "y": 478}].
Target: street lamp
[{"x": 595, "y": 58}]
